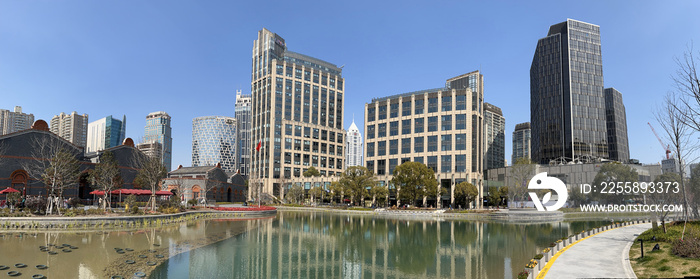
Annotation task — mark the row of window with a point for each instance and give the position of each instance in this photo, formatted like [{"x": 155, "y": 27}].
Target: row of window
[
  {"x": 420, "y": 144},
  {"x": 312, "y": 146},
  {"x": 417, "y": 107},
  {"x": 312, "y": 133},
  {"x": 446, "y": 123},
  {"x": 299, "y": 172},
  {"x": 316, "y": 77},
  {"x": 446, "y": 164}
]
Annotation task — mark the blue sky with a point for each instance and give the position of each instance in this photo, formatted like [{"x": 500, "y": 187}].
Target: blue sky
[{"x": 188, "y": 58}]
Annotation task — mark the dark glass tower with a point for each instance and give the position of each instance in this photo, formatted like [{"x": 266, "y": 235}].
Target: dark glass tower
[
  {"x": 567, "y": 104},
  {"x": 616, "y": 118}
]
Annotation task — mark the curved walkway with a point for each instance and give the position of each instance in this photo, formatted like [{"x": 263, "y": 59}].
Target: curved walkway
[{"x": 603, "y": 255}]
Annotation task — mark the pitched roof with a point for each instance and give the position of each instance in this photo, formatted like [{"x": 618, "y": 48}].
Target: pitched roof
[{"x": 192, "y": 170}]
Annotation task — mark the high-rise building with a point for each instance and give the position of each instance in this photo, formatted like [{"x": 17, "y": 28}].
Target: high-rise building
[
  {"x": 158, "y": 130},
  {"x": 243, "y": 136},
  {"x": 616, "y": 121},
  {"x": 567, "y": 104},
  {"x": 441, "y": 128},
  {"x": 494, "y": 137},
  {"x": 521, "y": 142},
  {"x": 72, "y": 127},
  {"x": 353, "y": 148},
  {"x": 13, "y": 121},
  {"x": 214, "y": 142},
  {"x": 297, "y": 114},
  {"x": 105, "y": 133},
  {"x": 152, "y": 149}
]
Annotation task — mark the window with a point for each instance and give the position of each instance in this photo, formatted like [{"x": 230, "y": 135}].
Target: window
[
  {"x": 370, "y": 114},
  {"x": 288, "y": 129},
  {"x": 307, "y": 132},
  {"x": 381, "y": 167},
  {"x": 370, "y": 149},
  {"x": 370, "y": 166},
  {"x": 394, "y": 112},
  {"x": 307, "y": 76},
  {"x": 418, "y": 159},
  {"x": 393, "y": 147},
  {"x": 405, "y": 145},
  {"x": 432, "y": 143},
  {"x": 432, "y": 124},
  {"x": 460, "y": 163},
  {"x": 446, "y": 103},
  {"x": 381, "y": 130},
  {"x": 446, "y": 122},
  {"x": 382, "y": 112},
  {"x": 461, "y": 121},
  {"x": 461, "y": 102},
  {"x": 446, "y": 143},
  {"x": 432, "y": 104},
  {"x": 297, "y": 131},
  {"x": 394, "y": 128},
  {"x": 418, "y": 144},
  {"x": 406, "y": 107},
  {"x": 446, "y": 163},
  {"x": 370, "y": 132},
  {"x": 392, "y": 165},
  {"x": 418, "y": 125},
  {"x": 419, "y": 106},
  {"x": 432, "y": 163},
  {"x": 461, "y": 142},
  {"x": 405, "y": 127},
  {"x": 381, "y": 148}
]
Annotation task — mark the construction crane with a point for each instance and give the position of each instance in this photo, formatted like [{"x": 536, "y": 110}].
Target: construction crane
[{"x": 665, "y": 147}]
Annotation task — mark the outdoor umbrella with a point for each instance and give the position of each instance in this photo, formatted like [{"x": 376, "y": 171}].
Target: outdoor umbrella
[
  {"x": 97, "y": 192},
  {"x": 9, "y": 190},
  {"x": 164, "y": 193}
]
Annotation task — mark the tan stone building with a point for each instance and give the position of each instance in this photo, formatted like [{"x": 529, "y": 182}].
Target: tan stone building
[
  {"x": 441, "y": 128},
  {"x": 297, "y": 115}
]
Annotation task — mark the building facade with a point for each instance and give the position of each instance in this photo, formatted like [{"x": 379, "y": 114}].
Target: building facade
[
  {"x": 297, "y": 114},
  {"x": 616, "y": 121},
  {"x": 14, "y": 121},
  {"x": 567, "y": 104},
  {"x": 441, "y": 128},
  {"x": 521, "y": 142},
  {"x": 158, "y": 130},
  {"x": 353, "y": 148},
  {"x": 72, "y": 127},
  {"x": 494, "y": 137},
  {"x": 214, "y": 142},
  {"x": 211, "y": 182},
  {"x": 152, "y": 149},
  {"x": 105, "y": 133},
  {"x": 243, "y": 136}
]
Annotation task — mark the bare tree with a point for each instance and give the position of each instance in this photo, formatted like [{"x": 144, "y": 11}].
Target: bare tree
[
  {"x": 521, "y": 172},
  {"x": 57, "y": 167},
  {"x": 179, "y": 184},
  {"x": 107, "y": 177},
  {"x": 151, "y": 172}
]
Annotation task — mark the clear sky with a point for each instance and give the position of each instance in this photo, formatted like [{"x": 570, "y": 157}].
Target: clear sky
[{"x": 188, "y": 58}]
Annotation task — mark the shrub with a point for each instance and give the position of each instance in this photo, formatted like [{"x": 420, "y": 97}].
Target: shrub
[
  {"x": 538, "y": 256},
  {"x": 192, "y": 202},
  {"x": 36, "y": 204},
  {"x": 135, "y": 210},
  {"x": 687, "y": 248},
  {"x": 523, "y": 275}
]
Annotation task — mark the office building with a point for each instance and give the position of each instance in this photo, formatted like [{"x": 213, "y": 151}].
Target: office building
[
  {"x": 567, "y": 104},
  {"x": 353, "y": 148},
  {"x": 158, "y": 130},
  {"x": 521, "y": 142},
  {"x": 616, "y": 121},
  {"x": 152, "y": 149},
  {"x": 72, "y": 127},
  {"x": 297, "y": 114},
  {"x": 494, "y": 137},
  {"x": 441, "y": 128},
  {"x": 14, "y": 121},
  {"x": 243, "y": 136},
  {"x": 214, "y": 142},
  {"x": 105, "y": 133}
]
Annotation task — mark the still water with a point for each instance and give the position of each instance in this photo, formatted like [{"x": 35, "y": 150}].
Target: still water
[
  {"x": 289, "y": 245},
  {"x": 326, "y": 245}
]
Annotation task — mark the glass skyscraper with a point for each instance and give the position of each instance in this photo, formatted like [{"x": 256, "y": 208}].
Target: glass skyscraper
[
  {"x": 158, "y": 130},
  {"x": 567, "y": 104},
  {"x": 521, "y": 142},
  {"x": 617, "y": 126},
  {"x": 243, "y": 121},
  {"x": 494, "y": 137},
  {"x": 105, "y": 133},
  {"x": 214, "y": 141}
]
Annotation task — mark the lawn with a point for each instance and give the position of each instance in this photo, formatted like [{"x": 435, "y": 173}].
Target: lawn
[{"x": 664, "y": 263}]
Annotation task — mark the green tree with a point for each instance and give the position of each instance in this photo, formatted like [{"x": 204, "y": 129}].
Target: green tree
[
  {"x": 412, "y": 179},
  {"x": 379, "y": 194},
  {"x": 521, "y": 172},
  {"x": 316, "y": 192},
  {"x": 465, "y": 193},
  {"x": 151, "y": 172},
  {"x": 613, "y": 172},
  {"x": 311, "y": 172},
  {"x": 295, "y": 194},
  {"x": 337, "y": 191},
  {"x": 494, "y": 196},
  {"x": 107, "y": 177},
  {"x": 355, "y": 181}
]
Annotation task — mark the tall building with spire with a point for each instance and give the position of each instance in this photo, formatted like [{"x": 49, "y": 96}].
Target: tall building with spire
[
  {"x": 297, "y": 114},
  {"x": 158, "y": 130},
  {"x": 72, "y": 127},
  {"x": 353, "y": 148},
  {"x": 243, "y": 121}
]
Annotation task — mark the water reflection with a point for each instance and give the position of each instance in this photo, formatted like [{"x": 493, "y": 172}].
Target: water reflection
[{"x": 323, "y": 245}]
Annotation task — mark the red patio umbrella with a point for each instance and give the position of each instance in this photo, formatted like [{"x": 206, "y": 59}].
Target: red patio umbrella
[
  {"x": 9, "y": 190},
  {"x": 97, "y": 192},
  {"x": 164, "y": 193}
]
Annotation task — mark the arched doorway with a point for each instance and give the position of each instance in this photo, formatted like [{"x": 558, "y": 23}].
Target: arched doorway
[
  {"x": 195, "y": 191},
  {"x": 84, "y": 187},
  {"x": 228, "y": 194},
  {"x": 19, "y": 181}
]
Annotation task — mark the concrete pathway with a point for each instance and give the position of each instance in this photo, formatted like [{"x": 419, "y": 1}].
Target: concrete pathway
[{"x": 604, "y": 255}]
